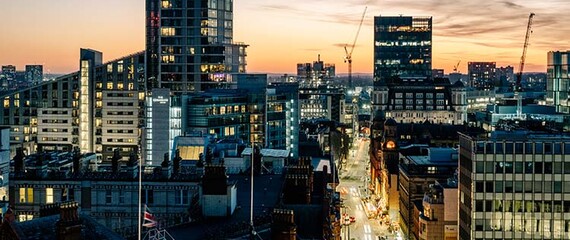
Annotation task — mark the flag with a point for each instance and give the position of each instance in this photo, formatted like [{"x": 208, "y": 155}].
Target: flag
[{"x": 149, "y": 220}]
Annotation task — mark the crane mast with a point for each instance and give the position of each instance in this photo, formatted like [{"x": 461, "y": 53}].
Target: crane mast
[
  {"x": 348, "y": 56},
  {"x": 518, "y": 87}
]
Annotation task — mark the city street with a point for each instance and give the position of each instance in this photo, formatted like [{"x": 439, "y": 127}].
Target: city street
[{"x": 353, "y": 177}]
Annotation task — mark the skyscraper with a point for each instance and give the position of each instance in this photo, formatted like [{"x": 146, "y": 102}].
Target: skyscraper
[
  {"x": 190, "y": 45},
  {"x": 558, "y": 80},
  {"x": 402, "y": 47}
]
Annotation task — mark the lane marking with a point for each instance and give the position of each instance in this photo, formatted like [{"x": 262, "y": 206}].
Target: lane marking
[{"x": 367, "y": 228}]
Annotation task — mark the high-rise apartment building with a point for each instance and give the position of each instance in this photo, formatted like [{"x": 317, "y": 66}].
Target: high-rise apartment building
[
  {"x": 402, "y": 47},
  {"x": 98, "y": 108},
  {"x": 514, "y": 184},
  {"x": 189, "y": 45},
  {"x": 316, "y": 74},
  {"x": 558, "y": 80},
  {"x": 482, "y": 75},
  {"x": 34, "y": 74}
]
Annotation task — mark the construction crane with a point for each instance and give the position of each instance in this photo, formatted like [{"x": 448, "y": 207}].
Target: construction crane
[
  {"x": 348, "y": 56},
  {"x": 456, "y": 66},
  {"x": 518, "y": 87}
]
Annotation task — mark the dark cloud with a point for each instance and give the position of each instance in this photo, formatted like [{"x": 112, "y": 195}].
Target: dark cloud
[{"x": 512, "y": 5}]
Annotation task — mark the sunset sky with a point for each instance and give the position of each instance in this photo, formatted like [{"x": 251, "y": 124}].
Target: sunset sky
[{"x": 284, "y": 33}]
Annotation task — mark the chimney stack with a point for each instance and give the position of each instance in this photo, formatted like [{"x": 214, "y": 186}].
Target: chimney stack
[
  {"x": 19, "y": 163},
  {"x": 69, "y": 224},
  {"x": 77, "y": 164},
  {"x": 115, "y": 160},
  {"x": 283, "y": 226},
  {"x": 41, "y": 164},
  {"x": 176, "y": 162},
  {"x": 132, "y": 164},
  {"x": 166, "y": 167}
]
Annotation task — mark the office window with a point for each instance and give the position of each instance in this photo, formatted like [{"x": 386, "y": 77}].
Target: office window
[
  {"x": 499, "y": 186},
  {"x": 49, "y": 195},
  {"x": 519, "y": 166},
  {"x": 518, "y": 186},
  {"x": 26, "y": 195},
  {"x": 147, "y": 196},
  {"x": 121, "y": 196},
  {"x": 479, "y": 167},
  {"x": 181, "y": 197},
  {"x": 67, "y": 194},
  {"x": 508, "y": 186},
  {"x": 108, "y": 196}
]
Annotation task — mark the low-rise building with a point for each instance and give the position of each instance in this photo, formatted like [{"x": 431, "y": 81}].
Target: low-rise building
[
  {"x": 421, "y": 166},
  {"x": 438, "y": 218},
  {"x": 110, "y": 197}
]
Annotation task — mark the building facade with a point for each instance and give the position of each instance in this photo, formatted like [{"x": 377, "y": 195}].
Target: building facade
[
  {"x": 189, "y": 45},
  {"x": 402, "y": 47},
  {"x": 482, "y": 75},
  {"x": 110, "y": 197},
  {"x": 34, "y": 74},
  {"x": 558, "y": 80},
  {"x": 419, "y": 168},
  {"x": 417, "y": 100},
  {"x": 512, "y": 185},
  {"x": 99, "y": 108}
]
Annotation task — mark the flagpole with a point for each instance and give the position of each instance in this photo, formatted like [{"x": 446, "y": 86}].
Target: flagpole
[
  {"x": 139, "y": 215},
  {"x": 251, "y": 194}
]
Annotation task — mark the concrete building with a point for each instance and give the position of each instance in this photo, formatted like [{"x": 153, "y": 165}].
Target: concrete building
[
  {"x": 98, "y": 108},
  {"x": 190, "y": 46},
  {"x": 437, "y": 73},
  {"x": 482, "y": 75},
  {"x": 512, "y": 184},
  {"x": 322, "y": 102},
  {"x": 557, "y": 81},
  {"x": 4, "y": 165},
  {"x": 438, "y": 219},
  {"x": 417, "y": 100},
  {"x": 388, "y": 138},
  {"x": 316, "y": 74},
  {"x": 173, "y": 193},
  {"x": 34, "y": 74},
  {"x": 507, "y": 109},
  {"x": 419, "y": 167}
]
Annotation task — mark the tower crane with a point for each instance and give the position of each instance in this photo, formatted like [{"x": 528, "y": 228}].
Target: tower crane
[
  {"x": 348, "y": 56},
  {"x": 456, "y": 66},
  {"x": 518, "y": 87}
]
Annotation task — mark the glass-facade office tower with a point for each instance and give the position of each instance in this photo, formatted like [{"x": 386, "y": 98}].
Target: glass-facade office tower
[
  {"x": 558, "y": 80},
  {"x": 189, "y": 45},
  {"x": 402, "y": 47}
]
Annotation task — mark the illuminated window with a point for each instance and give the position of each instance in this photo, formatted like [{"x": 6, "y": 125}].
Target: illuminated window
[
  {"x": 168, "y": 59},
  {"x": 109, "y": 85},
  {"x": 25, "y": 217},
  {"x": 49, "y": 195},
  {"x": 120, "y": 86},
  {"x": 390, "y": 145},
  {"x": 26, "y": 195},
  {"x": 168, "y": 31},
  {"x": 6, "y": 102},
  {"x": 166, "y": 4},
  {"x": 109, "y": 68}
]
